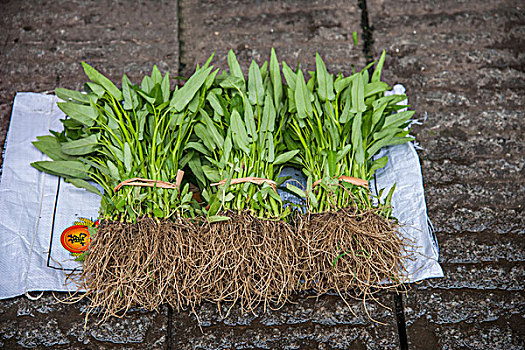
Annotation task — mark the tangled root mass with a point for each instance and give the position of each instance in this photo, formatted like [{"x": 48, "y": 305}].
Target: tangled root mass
[{"x": 246, "y": 260}]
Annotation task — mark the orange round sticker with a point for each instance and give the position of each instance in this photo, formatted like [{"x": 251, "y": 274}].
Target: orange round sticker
[{"x": 75, "y": 238}]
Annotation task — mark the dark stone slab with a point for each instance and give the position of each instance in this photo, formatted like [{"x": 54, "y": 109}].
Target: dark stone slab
[
  {"x": 429, "y": 38},
  {"x": 43, "y": 44},
  {"x": 306, "y": 323},
  {"x": 507, "y": 276},
  {"x": 475, "y": 195},
  {"x": 297, "y": 29},
  {"x": 471, "y": 248},
  {"x": 462, "y": 64},
  {"x": 446, "y": 171},
  {"x": 50, "y": 323},
  {"x": 498, "y": 221},
  {"x": 465, "y": 319}
]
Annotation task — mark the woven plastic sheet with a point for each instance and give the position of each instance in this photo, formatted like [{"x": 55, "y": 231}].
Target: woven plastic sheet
[{"x": 35, "y": 207}]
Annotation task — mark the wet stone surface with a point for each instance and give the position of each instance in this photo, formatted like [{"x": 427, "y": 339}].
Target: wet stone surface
[
  {"x": 495, "y": 222},
  {"x": 490, "y": 276},
  {"x": 476, "y": 248},
  {"x": 306, "y": 323},
  {"x": 43, "y": 44},
  {"x": 463, "y": 66},
  {"x": 465, "y": 319},
  {"x": 296, "y": 29},
  {"x": 51, "y": 323}
]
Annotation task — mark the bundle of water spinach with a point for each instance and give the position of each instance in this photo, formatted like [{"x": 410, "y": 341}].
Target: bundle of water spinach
[
  {"x": 129, "y": 145},
  {"x": 227, "y": 136},
  {"x": 338, "y": 125}
]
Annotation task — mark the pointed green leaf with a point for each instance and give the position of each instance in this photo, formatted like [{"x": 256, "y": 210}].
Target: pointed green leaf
[
  {"x": 285, "y": 157},
  {"x": 255, "y": 85},
  {"x": 165, "y": 87},
  {"x": 83, "y": 114},
  {"x": 376, "y": 87},
  {"x": 377, "y": 145},
  {"x": 240, "y": 137},
  {"x": 156, "y": 76},
  {"x": 249, "y": 121},
  {"x": 302, "y": 98},
  {"x": 113, "y": 170},
  {"x": 215, "y": 135},
  {"x": 358, "y": 95},
  {"x": 290, "y": 76},
  {"x": 198, "y": 147},
  {"x": 357, "y": 140},
  {"x": 128, "y": 159},
  {"x": 217, "y": 218},
  {"x": 397, "y": 119},
  {"x": 95, "y": 88},
  {"x": 148, "y": 98},
  {"x": 98, "y": 78},
  {"x": 65, "y": 168},
  {"x": 147, "y": 84},
  {"x": 72, "y": 95},
  {"x": 271, "y": 149},
  {"x": 275, "y": 75},
  {"x": 377, "y": 164},
  {"x": 376, "y": 76},
  {"x": 182, "y": 97},
  {"x": 343, "y": 152},
  {"x": 235, "y": 68},
  {"x": 81, "y": 146},
  {"x": 295, "y": 190},
  {"x": 211, "y": 173},
  {"x": 268, "y": 117},
  {"x": 129, "y": 95},
  {"x": 50, "y": 146},
  {"x": 213, "y": 99},
  {"x": 342, "y": 84},
  {"x": 83, "y": 184},
  {"x": 325, "y": 82}
]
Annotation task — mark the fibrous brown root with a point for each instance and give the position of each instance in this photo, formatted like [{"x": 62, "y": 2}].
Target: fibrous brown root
[
  {"x": 245, "y": 260},
  {"x": 350, "y": 251}
]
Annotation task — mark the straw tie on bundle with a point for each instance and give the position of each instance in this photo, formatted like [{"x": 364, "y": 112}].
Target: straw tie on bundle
[
  {"x": 350, "y": 179},
  {"x": 137, "y": 181},
  {"x": 252, "y": 179}
]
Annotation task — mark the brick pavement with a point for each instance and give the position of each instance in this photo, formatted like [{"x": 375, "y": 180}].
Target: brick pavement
[{"x": 462, "y": 63}]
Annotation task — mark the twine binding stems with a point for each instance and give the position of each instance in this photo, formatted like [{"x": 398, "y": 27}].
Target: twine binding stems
[
  {"x": 252, "y": 179},
  {"x": 137, "y": 181},
  {"x": 353, "y": 180}
]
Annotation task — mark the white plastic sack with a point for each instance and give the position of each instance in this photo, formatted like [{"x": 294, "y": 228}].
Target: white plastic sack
[{"x": 35, "y": 207}]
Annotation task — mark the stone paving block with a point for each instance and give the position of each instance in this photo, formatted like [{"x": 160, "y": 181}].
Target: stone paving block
[
  {"x": 479, "y": 276},
  {"x": 44, "y": 43},
  {"x": 465, "y": 151},
  {"x": 326, "y": 323},
  {"x": 445, "y": 171},
  {"x": 500, "y": 221},
  {"x": 297, "y": 29},
  {"x": 470, "y": 248},
  {"x": 458, "y": 63},
  {"x": 429, "y": 37},
  {"x": 474, "y": 195},
  {"x": 463, "y": 319},
  {"x": 500, "y": 121},
  {"x": 49, "y": 323}
]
